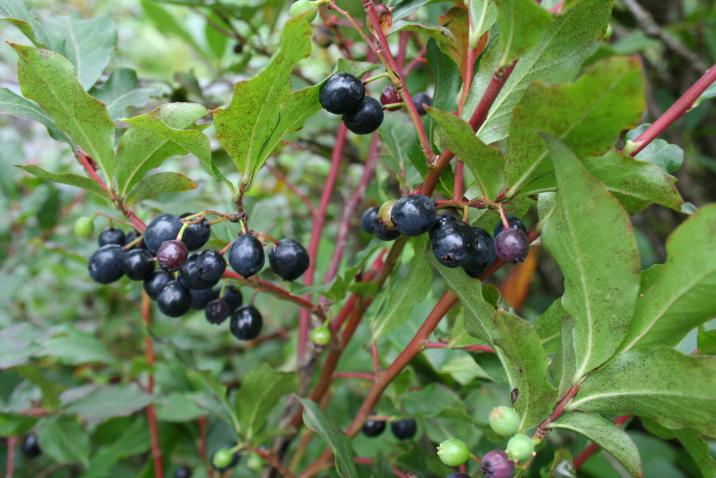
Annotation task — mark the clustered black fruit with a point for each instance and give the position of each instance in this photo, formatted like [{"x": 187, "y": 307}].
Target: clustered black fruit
[
  {"x": 344, "y": 94},
  {"x": 454, "y": 242},
  {"x": 182, "y": 472},
  {"x": 373, "y": 428},
  {"x": 403, "y": 429},
  {"x": 30, "y": 447}
]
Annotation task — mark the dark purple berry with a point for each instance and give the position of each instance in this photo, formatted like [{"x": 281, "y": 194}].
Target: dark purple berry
[
  {"x": 514, "y": 223},
  {"x": 496, "y": 464},
  {"x": 367, "y": 118},
  {"x": 404, "y": 429},
  {"x": 246, "y": 255},
  {"x": 422, "y": 100},
  {"x": 413, "y": 215},
  {"x": 172, "y": 255},
  {"x": 368, "y": 219},
  {"x": 111, "y": 236},
  {"x": 182, "y": 472},
  {"x": 138, "y": 264},
  {"x": 453, "y": 243},
  {"x": 163, "y": 228},
  {"x": 174, "y": 300},
  {"x": 512, "y": 245},
  {"x": 233, "y": 297},
  {"x": 289, "y": 259},
  {"x": 373, "y": 428},
  {"x": 154, "y": 285},
  {"x": 30, "y": 447},
  {"x": 390, "y": 96},
  {"x": 105, "y": 265},
  {"x": 458, "y": 475},
  {"x": 196, "y": 235},
  {"x": 246, "y": 323},
  {"x": 483, "y": 256},
  {"x": 217, "y": 311},
  {"x": 201, "y": 297},
  {"x": 342, "y": 93}
]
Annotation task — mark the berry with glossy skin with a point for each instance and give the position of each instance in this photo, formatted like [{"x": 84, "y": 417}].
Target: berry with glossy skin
[
  {"x": 504, "y": 421},
  {"x": 323, "y": 37},
  {"x": 191, "y": 274},
  {"x": 383, "y": 233},
  {"x": 211, "y": 266},
  {"x": 512, "y": 245},
  {"x": 246, "y": 255},
  {"x": 441, "y": 221},
  {"x": 367, "y": 118},
  {"x": 373, "y": 428},
  {"x": 458, "y": 475},
  {"x": 520, "y": 447},
  {"x": 174, "y": 300},
  {"x": 105, "y": 265},
  {"x": 201, "y": 297},
  {"x": 196, "y": 235},
  {"x": 484, "y": 255},
  {"x": 162, "y": 228},
  {"x": 289, "y": 259},
  {"x": 182, "y": 472},
  {"x": 132, "y": 236},
  {"x": 138, "y": 264},
  {"x": 413, "y": 215},
  {"x": 422, "y": 100},
  {"x": 390, "y": 96},
  {"x": 111, "y": 235},
  {"x": 233, "y": 297},
  {"x": 453, "y": 243},
  {"x": 246, "y": 323},
  {"x": 385, "y": 214},
  {"x": 404, "y": 429},
  {"x": 453, "y": 452},
  {"x": 224, "y": 458},
  {"x": 320, "y": 335},
  {"x": 342, "y": 93},
  {"x": 158, "y": 281},
  {"x": 172, "y": 255},
  {"x": 30, "y": 447},
  {"x": 514, "y": 223},
  {"x": 217, "y": 311},
  {"x": 84, "y": 226},
  {"x": 496, "y": 464},
  {"x": 368, "y": 219},
  {"x": 301, "y": 7}
]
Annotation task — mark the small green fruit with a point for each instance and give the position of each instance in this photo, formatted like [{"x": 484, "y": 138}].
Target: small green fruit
[
  {"x": 520, "y": 447},
  {"x": 321, "y": 335},
  {"x": 222, "y": 458},
  {"x": 504, "y": 421},
  {"x": 255, "y": 462},
  {"x": 453, "y": 452},
  {"x": 384, "y": 214},
  {"x": 84, "y": 226},
  {"x": 301, "y": 7}
]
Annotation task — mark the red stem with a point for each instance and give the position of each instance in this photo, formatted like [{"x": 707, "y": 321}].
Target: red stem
[
  {"x": 292, "y": 187},
  {"x": 396, "y": 471},
  {"x": 358, "y": 375},
  {"x": 416, "y": 61},
  {"x": 277, "y": 291},
  {"x": 375, "y": 357},
  {"x": 593, "y": 448},
  {"x": 402, "y": 50},
  {"x": 151, "y": 413},
  {"x": 202, "y": 438},
  {"x": 10, "y": 465}
]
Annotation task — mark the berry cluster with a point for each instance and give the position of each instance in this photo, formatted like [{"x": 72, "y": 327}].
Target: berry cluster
[
  {"x": 403, "y": 429},
  {"x": 454, "y": 242},
  {"x": 183, "y": 280}
]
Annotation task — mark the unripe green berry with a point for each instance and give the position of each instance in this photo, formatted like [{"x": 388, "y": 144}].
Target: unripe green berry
[
  {"x": 84, "y": 226},
  {"x": 255, "y": 463},
  {"x": 520, "y": 447},
  {"x": 504, "y": 421},
  {"x": 222, "y": 458},
  {"x": 301, "y": 7},
  {"x": 321, "y": 335},
  {"x": 453, "y": 452},
  {"x": 384, "y": 214}
]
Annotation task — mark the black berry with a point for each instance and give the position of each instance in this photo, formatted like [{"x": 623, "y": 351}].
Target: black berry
[
  {"x": 154, "y": 285},
  {"x": 441, "y": 221},
  {"x": 211, "y": 266},
  {"x": 246, "y": 323},
  {"x": 246, "y": 255},
  {"x": 289, "y": 259},
  {"x": 172, "y": 255},
  {"x": 404, "y": 429},
  {"x": 458, "y": 475},
  {"x": 201, "y": 297},
  {"x": 191, "y": 274},
  {"x": 111, "y": 236},
  {"x": 422, "y": 100},
  {"x": 384, "y": 233},
  {"x": 390, "y": 96},
  {"x": 196, "y": 235},
  {"x": 132, "y": 236},
  {"x": 182, "y": 472},
  {"x": 105, "y": 265},
  {"x": 413, "y": 215},
  {"x": 512, "y": 245},
  {"x": 138, "y": 264},
  {"x": 483, "y": 256},
  {"x": 496, "y": 464},
  {"x": 342, "y": 93},
  {"x": 514, "y": 223},
  {"x": 163, "y": 228},
  {"x": 368, "y": 219},
  {"x": 217, "y": 311},
  {"x": 373, "y": 428},
  {"x": 453, "y": 243},
  {"x": 367, "y": 118},
  {"x": 233, "y": 297},
  {"x": 30, "y": 447},
  {"x": 174, "y": 300}
]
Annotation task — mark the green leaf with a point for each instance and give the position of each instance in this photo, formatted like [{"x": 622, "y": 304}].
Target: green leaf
[
  {"x": 485, "y": 163},
  {"x": 49, "y": 79},
  {"x": 265, "y": 107},
  {"x": 587, "y": 116},
  {"x": 159, "y": 183},
  {"x": 661, "y": 383},
  {"x": 260, "y": 392},
  {"x": 66, "y": 178},
  {"x": 520, "y": 350},
  {"x": 607, "y": 435},
  {"x": 73, "y": 347},
  {"x": 179, "y": 407},
  {"x": 549, "y": 325},
  {"x": 699, "y": 451},
  {"x": 483, "y": 17},
  {"x": 12, "y": 424},
  {"x": 591, "y": 237},
  {"x": 122, "y": 91},
  {"x": 447, "y": 78},
  {"x": 64, "y": 440},
  {"x": 167, "y": 23},
  {"x": 682, "y": 297},
  {"x": 569, "y": 40},
  {"x": 478, "y": 312},
  {"x": 87, "y": 43},
  {"x": 522, "y": 24},
  {"x": 17, "y": 13},
  {"x": 405, "y": 291},
  {"x": 108, "y": 401},
  {"x": 669, "y": 157},
  {"x": 431, "y": 400},
  {"x": 132, "y": 441},
  {"x": 441, "y": 35},
  {"x": 15, "y": 105},
  {"x": 154, "y": 137},
  {"x": 314, "y": 419},
  {"x": 635, "y": 183}
]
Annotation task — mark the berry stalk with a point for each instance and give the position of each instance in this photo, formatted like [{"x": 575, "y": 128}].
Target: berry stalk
[{"x": 151, "y": 413}]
